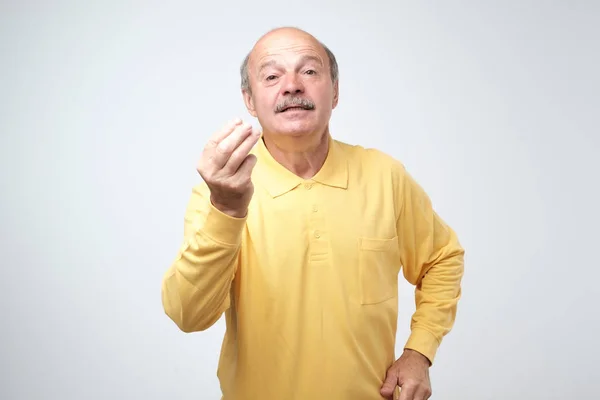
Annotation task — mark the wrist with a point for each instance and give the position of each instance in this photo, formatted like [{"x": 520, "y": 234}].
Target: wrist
[
  {"x": 231, "y": 211},
  {"x": 415, "y": 355}
]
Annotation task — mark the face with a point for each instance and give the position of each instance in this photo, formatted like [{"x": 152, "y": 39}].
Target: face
[{"x": 291, "y": 88}]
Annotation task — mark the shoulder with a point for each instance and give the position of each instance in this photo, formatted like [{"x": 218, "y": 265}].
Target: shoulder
[{"x": 370, "y": 159}]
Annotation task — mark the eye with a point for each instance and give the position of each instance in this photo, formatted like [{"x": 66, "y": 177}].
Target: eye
[
  {"x": 270, "y": 77},
  {"x": 311, "y": 72}
]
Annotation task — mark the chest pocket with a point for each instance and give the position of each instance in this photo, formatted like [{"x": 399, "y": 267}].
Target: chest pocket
[{"x": 379, "y": 264}]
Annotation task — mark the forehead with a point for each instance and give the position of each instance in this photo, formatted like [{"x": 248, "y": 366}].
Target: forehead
[{"x": 288, "y": 45}]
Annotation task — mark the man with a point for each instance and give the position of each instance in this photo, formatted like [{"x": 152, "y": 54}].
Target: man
[{"x": 299, "y": 239}]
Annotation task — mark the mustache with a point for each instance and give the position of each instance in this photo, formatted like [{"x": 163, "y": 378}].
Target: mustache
[{"x": 295, "y": 102}]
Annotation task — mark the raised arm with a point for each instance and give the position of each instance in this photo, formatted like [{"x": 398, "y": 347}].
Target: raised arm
[{"x": 196, "y": 287}]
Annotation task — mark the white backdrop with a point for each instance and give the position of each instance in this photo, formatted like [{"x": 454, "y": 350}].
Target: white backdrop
[{"x": 105, "y": 107}]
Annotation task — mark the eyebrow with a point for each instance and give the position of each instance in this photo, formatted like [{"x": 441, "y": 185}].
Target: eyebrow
[
  {"x": 303, "y": 60},
  {"x": 266, "y": 65},
  {"x": 307, "y": 58}
]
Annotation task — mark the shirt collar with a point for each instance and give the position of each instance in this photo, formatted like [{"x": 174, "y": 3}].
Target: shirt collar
[{"x": 278, "y": 180}]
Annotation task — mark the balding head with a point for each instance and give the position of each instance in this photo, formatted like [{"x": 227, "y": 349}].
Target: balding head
[
  {"x": 276, "y": 37},
  {"x": 290, "y": 83}
]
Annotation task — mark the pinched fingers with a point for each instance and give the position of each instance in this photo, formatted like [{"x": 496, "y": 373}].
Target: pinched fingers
[
  {"x": 222, "y": 133},
  {"x": 220, "y": 154},
  {"x": 235, "y": 139},
  {"x": 240, "y": 154}
]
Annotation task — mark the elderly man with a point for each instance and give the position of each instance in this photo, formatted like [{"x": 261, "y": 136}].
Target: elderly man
[{"x": 299, "y": 240}]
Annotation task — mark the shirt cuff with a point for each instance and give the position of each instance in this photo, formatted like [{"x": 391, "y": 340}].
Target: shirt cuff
[
  {"x": 223, "y": 228},
  {"x": 424, "y": 342}
]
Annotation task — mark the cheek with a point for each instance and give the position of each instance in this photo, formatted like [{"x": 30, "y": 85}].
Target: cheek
[
  {"x": 265, "y": 102},
  {"x": 326, "y": 93}
]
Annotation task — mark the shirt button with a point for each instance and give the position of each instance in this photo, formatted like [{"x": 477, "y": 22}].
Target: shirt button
[
  {"x": 315, "y": 209},
  {"x": 317, "y": 234},
  {"x": 308, "y": 186}
]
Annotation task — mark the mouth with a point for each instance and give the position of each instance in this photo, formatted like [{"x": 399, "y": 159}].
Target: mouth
[
  {"x": 295, "y": 104},
  {"x": 295, "y": 108}
]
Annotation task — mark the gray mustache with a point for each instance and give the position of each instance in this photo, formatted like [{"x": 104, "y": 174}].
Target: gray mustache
[{"x": 295, "y": 102}]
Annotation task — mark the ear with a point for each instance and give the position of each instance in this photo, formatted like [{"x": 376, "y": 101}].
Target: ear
[
  {"x": 336, "y": 94},
  {"x": 249, "y": 101}
]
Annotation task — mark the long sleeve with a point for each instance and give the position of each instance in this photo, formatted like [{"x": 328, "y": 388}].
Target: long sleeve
[
  {"x": 432, "y": 260},
  {"x": 196, "y": 287}
]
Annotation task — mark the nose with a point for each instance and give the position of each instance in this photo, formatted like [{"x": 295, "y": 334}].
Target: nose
[{"x": 292, "y": 85}]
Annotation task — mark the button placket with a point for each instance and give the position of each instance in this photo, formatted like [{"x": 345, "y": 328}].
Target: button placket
[{"x": 318, "y": 237}]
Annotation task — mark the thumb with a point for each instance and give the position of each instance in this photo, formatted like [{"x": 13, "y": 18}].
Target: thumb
[{"x": 388, "y": 387}]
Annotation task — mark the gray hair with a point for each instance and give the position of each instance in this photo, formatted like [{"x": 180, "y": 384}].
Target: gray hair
[{"x": 333, "y": 69}]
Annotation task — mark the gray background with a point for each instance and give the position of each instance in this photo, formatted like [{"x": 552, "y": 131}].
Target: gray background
[{"x": 105, "y": 107}]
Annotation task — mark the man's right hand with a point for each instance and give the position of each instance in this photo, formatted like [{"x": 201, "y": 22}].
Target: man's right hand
[{"x": 226, "y": 167}]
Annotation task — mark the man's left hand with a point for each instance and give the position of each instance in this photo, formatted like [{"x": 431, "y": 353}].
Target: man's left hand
[{"x": 411, "y": 373}]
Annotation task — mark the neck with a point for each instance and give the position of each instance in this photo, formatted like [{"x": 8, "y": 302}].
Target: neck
[{"x": 304, "y": 156}]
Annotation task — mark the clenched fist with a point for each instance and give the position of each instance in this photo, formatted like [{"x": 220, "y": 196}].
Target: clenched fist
[{"x": 226, "y": 167}]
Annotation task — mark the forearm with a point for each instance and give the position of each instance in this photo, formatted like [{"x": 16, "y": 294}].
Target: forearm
[
  {"x": 196, "y": 287},
  {"x": 436, "y": 299}
]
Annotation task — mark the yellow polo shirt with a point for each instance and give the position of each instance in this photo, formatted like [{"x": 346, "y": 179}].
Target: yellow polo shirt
[{"x": 308, "y": 279}]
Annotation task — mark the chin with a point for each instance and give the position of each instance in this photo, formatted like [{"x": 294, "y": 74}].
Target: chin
[
  {"x": 296, "y": 131},
  {"x": 297, "y": 128}
]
